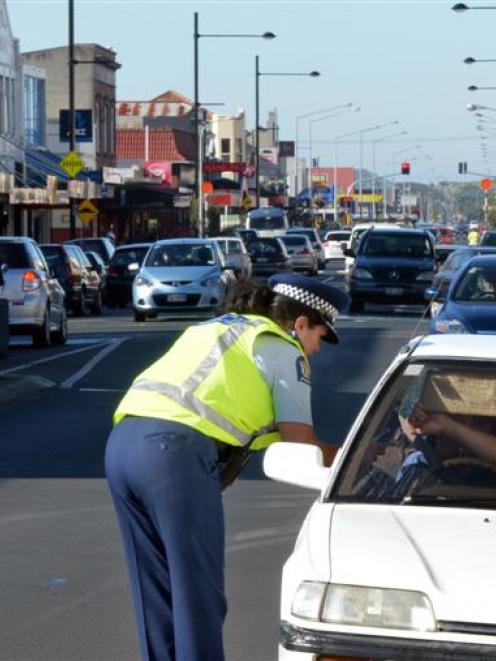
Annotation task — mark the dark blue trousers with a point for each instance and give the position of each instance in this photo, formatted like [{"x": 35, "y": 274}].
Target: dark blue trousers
[{"x": 164, "y": 481}]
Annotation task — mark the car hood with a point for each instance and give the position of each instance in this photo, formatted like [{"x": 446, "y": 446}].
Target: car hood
[
  {"x": 180, "y": 273},
  {"x": 447, "y": 553},
  {"x": 372, "y": 262},
  {"x": 477, "y": 317}
]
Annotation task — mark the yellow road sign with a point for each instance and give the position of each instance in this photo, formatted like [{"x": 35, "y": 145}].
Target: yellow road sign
[
  {"x": 72, "y": 163},
  {"x": 246, "y": 201},
  {"x": 87, "y": 211}
]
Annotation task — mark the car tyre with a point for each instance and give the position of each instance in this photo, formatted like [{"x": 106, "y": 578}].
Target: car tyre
[
  {"x": 356, "y": 306},
  {"x": 97, "y": 306},
  {"x": 139, "y": 316},
  {"x": 80, "y": 307},
  {"x": 41, "y": 335},
  {"x": 60, "y": 336}
]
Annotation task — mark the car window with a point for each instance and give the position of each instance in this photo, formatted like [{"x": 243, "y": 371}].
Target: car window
[
  {"x": 489, "y": 239},
  {"x": 181, "y": 254},
  {"x": 73, "y": 258},
  {"x": 37, "y": 258},
  {"x": 294, "y": 240},
  {"x": 392, "y": 461},
  {"x": 382, "y": 245},
  {"x": 14, "y": 255},
  {"x": 54, "y": 256},
  {"x": 477, "y": 283},
  {"x": 128, "y": 256},
  {"x": 234, "y": 248},
  {"x": 266, "y": 247}
]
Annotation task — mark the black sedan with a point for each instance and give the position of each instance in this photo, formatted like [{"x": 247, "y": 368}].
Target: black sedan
[{"x": 268, "y": 255}]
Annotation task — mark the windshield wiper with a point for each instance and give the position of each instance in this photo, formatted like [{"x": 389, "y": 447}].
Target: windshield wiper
[{"x": 449, "y": 501}]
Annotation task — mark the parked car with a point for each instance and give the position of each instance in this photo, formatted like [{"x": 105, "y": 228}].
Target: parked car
[
  {"x": 301, "y": 253},
  {"x": 488, "y": 238},
  {"x": 36, "y": 298},
  {"x": 268, "y": 255},
  {"x": 103, "y": 245},
  {"x": 81, "y": 282},
  {"x": 122, "y": 269},
  {"x": 391, "y": 266},
  {"x": 394, "y": 559},
  {"x": 314, "y": 237},
  {"x": 334, "y": 243},
  {"x": 444, "y": 276},
  {"x": 181, "y": 275},
  {"x": 236, "y": 255},
  {"x": 470, "y": 303}
]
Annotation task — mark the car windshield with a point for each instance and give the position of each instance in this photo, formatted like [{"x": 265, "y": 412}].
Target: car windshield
[
  {"x": 265, "y": 247},
  {"x": 294, "y": 240},
  {"x": 456, "y": 260},
  {"x": 338, "y": 236},
  {"x": 477, "y": 283},
  {"x": 181, "y": 254},
  {"x": 14, "y": 255},
  {"x": 128, "y": 256},
  {"x": 401, "y": 455},
  {"x": 404, "y": 245}
]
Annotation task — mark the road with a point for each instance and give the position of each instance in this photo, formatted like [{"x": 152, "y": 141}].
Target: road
[{"x": 62, "y": 576}]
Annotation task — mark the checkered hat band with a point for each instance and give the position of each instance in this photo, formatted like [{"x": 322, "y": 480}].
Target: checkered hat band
[{"x": 307, "y": 298}]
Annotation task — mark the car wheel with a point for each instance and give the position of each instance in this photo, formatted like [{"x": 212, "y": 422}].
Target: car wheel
[
  {"x": 60, "y": 336},
  {"x": 356, "y": 306},
  {"x": 97, "y": 306},
  {"x": 80, "y": 306},
  {"x": 41, "y": 335},
  {"x": 139, "y": 316}
]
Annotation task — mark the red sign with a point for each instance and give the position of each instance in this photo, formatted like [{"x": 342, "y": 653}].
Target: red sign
[
  {"x": 224, "y": 167},
  {"x": 161, "y": 170},
  {"x": 486, "y": 184}
]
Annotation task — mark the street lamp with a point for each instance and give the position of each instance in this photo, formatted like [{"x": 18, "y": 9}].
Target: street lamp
[
  {"x": 473, "y": 60},
  {"x": 471, "y": 107},
  {"x": 196, "y": 118},
  {"x": 311, "y": 114},
  {"x": 258, "y": 73},
  {"x": 475, "y": 88},
  {"x": 461, "y": 7}
]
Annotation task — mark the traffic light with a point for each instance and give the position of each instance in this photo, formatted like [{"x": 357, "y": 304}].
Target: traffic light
[
  {"x": 462, "y": 167},
  {"x": 405, "y": 167}
]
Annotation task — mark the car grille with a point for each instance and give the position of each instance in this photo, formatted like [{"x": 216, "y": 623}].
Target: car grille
[
  {"x": 176, "y": 283},
  {"x": 161, "y": 299},
  {"x": 393, "y": 275},
  {"x": 468, "y": 627}
]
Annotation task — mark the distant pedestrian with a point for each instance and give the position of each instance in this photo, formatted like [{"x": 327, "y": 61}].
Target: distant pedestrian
[
  {"x": 236, "y": 383},
  {"x": 473, "y": 237}
]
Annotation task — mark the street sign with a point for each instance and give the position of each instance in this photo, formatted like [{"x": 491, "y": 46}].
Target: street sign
[
  {"x": 87, "y": 211},
  {"x": 72, "y": 163},
  {"x": 246, "y": 203},
  {"x": 486, "y": 184}
]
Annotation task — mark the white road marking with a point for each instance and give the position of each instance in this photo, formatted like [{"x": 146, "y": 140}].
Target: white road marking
[
  {"x": 68, "y": 383},
  {"x": 24, "y": 366}
]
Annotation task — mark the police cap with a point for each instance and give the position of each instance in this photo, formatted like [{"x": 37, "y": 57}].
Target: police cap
[{"x": 324, "y": 299}]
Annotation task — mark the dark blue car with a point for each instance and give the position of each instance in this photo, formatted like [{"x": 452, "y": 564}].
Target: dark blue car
[{"x": 470, "y": 304}]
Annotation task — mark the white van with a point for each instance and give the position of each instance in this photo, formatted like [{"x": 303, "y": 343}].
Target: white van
[{"x": 267, "y": 221}]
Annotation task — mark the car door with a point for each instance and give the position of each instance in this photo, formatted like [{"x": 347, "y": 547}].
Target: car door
[{"x": 54, "y": 290}]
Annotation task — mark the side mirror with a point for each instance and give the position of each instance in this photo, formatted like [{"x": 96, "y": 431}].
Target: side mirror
[
  {"x": 300, "y": 464},
  {"x": 349, "y": 252},
  {"x": 134, "y": 266}
]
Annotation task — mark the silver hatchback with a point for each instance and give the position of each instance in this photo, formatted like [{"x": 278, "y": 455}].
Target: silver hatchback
[{"x": 36, "y": 299}]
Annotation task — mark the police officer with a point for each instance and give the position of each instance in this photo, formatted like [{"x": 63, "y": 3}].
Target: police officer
[{"x": 241, "y": 379}]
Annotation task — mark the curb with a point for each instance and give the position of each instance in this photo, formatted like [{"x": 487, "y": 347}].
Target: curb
[{"x": 13, "y": 387}]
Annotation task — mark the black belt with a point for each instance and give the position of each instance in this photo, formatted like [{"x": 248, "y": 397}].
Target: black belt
[{"x": 224, "y": 450}]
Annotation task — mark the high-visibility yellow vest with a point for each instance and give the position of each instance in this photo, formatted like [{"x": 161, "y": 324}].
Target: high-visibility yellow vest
[{"x": 208, "y": 380}]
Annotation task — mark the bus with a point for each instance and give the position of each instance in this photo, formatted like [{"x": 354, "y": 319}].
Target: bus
[{"x": 267, "y": 221}]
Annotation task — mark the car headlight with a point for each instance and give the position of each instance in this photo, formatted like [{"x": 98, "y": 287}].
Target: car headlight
[
  {"x": 450, "y": 326},
  {"x": 141, "y": 280},
  {"x": 210, "y": 282},
  {"x": 378, "y": 607},
  {"x": 308, "y": 600},
  {"x": 361, "y": 274},
  {"x": 425, "y": 276},
  {"x": 435, "y": 307}
]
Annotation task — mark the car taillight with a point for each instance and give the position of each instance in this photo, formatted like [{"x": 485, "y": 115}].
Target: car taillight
[
  {"x": 305, "y": 251},
  {"x": 30, "y": 281},
  {"x": 112, "y": 271}
]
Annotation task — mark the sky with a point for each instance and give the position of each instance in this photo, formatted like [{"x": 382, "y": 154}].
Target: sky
[{"x": 397, "y": 60}]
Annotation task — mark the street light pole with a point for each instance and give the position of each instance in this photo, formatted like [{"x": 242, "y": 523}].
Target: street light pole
[
  {"x": 72, "y": 113},
  {"x": 259, "y": 73},
  {"x": 374, "y": 142}
]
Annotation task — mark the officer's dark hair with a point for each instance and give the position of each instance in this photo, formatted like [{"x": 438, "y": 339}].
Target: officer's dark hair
[{"x": 254, "y": 297}]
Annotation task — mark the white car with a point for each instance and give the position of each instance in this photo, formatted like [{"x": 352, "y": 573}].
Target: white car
[
  {"x": 181, "y": 275},
  {"x": 334, "y": 242},
  {"x": 395, "y": 559}
]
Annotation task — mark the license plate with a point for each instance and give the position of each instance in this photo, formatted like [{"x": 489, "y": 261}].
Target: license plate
[
  {"x": 263, "y": 260},
  {"x": 177, "y": 298},
  {"x": 394, "y": 291}
]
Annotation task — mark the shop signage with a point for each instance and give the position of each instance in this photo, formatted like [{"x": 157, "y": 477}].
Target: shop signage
[
  {"x": 225, "y": 167},
  {"x": 286, "y": 148},
  {"x": 83, "y": 126}
]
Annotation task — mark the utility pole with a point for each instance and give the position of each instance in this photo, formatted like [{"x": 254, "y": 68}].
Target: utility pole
[{"x": 72, "y": 113}]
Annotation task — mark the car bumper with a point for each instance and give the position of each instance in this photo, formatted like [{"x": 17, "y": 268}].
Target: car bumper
[
  {"x": 301, "y": 644},
  {"x": 28, "y": 312},
  {"x": 154, "y": 299},
  {"x": 388, "y": 293},
  {"x": 302, "y": 263}
]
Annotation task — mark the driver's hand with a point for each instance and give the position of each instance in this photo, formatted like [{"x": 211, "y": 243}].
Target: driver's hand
[{"x": 426, "y": 422}]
